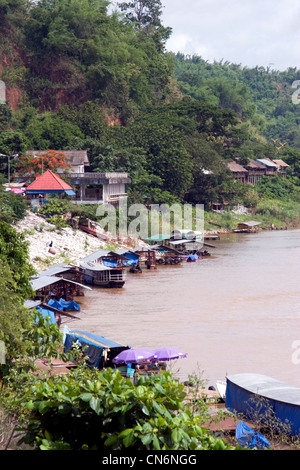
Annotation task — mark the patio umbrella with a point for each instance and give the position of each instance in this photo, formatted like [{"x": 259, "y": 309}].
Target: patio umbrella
[
  {"x": 167, "y": 354},
  {"x": 133, "y": 356}
]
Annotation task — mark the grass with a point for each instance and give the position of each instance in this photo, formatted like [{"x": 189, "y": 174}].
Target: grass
[{"x": 281, "y": 213}]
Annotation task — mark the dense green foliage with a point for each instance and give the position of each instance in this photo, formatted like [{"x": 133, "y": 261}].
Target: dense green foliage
[
  {"x": 15, "y": 273},
  {"x": 13, "y": 207},
  {"x": 87, "y": 77},
  {"x": 100, "y": 410}
]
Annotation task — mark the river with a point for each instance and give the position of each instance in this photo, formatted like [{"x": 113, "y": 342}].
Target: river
[{"x": 236, "y": 311}]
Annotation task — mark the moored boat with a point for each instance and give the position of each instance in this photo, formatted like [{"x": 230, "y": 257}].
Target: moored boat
[
  {"x": 104, "y": 268},
  {"x": 282, "y": 399},
  {"x": 98, "y": 274}
]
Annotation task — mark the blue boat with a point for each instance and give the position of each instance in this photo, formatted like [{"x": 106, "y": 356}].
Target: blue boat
[{"x": 281, "y": 398}]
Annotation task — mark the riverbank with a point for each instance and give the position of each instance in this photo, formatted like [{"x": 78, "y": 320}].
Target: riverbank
[
  {"x": 49, "y": 245},
  {"x": 277, "y": 213},
  {"x": 210, "y": 328}
]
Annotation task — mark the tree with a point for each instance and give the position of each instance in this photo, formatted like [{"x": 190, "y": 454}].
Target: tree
[
  {"x": 49, "y": 131},
  {"x": 13, "y": 206},
  {"x": 15, "y": 274},
  {"x": 12, "y": 142},
  {"x": 14, "y": 252},
  {"x": 32, "y": 165},
  {"x": 143, "y": 12},
  {"x": 100, "y": 410},
  {"x": 13, "y": 315},
  {"x": 145, "y": 15}
]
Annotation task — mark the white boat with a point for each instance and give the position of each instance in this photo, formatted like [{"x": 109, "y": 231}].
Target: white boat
[
  {"x": 98, "y": 274},
  {"x": 104, "y": 268},
  {"x": 221, "y": 389}
]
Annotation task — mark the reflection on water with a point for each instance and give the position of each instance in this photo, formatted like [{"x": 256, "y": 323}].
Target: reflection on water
[{"x": 237, "y": 311}]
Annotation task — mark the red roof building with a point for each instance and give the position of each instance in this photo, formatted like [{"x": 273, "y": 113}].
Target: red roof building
[{"x": 49, "y": 183}]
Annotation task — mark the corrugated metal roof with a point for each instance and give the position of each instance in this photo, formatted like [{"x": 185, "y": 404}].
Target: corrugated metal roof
[
  {"x": 142, "y": 249},
  {"x": 96, "y": 255},
  {"x": 55, "y": 269},
  {"x": 94, "y": 266},
  {"x": 267, "y": 387},
  {"x": 250, "y": 223},
  {"x": 179, "y": 242},
  {"x": 32, "y": 303},
  {"x": 44, "y": 281},
  {"x": 266, "y": 162},
  {"x": 158, "y": 238}
]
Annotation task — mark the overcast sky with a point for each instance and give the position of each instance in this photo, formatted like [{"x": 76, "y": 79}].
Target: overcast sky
[{"x": 247, "y": 32}]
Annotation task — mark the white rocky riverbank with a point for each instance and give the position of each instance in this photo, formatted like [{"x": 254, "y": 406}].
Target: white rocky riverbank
[{"x": 67, "y": 244}]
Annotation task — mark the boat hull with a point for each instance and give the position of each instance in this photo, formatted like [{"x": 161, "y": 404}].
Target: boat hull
[{"x": 243, "y": 391}]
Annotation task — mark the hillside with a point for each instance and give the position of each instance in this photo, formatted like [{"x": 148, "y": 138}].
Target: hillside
[{"x": 80, "y": 77}]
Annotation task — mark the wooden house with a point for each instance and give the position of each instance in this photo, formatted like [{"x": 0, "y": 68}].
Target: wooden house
[
  {"x": 281, "y": 167},
  {"x": 255, "y": 171},
  {"x": 238, "y": 171},
  {"x": 270, "y": 166}
]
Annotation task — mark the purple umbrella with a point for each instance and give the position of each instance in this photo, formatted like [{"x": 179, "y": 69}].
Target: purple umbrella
[
  {"x": 133, "y": 355},
  {"x": 167, "y": 354}
]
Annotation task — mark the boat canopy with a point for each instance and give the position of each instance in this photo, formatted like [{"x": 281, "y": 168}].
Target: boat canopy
[
  {"x": 95, "y": 256},
  {"x": 97, "y": 346},
  {"x": 63, "y": 304},
  {"x": 158, "y": 238},
  {"x": 56, "y": 269},
  {"x": 45, "y": 281},
  {"x": 283, "y": 399},
  {"x": 131, "y": 257},
  {"x": 186, "y": 234},
  {"x": 250, "y": 223}
]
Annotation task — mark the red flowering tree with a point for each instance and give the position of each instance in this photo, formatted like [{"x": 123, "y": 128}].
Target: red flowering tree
[{"x": 34, "y": 165}]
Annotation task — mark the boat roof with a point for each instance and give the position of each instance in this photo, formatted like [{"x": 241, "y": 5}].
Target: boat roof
[
  {"x": 95, "y": 255},
  {"x": 93, "y": 339},
  {"x": 181, "y": 242},
  {"x": 95, "y": 266},
  {"x": 56, "y": 269},
  {"x": 44, "y": 281},
  {"x": 32, "y": 303},
  {"x": 267, "y": 387},
  {"x": 250, "y": 223},
  {"x": 158, "y": 238},
  {"x": 101, "y": 254},
  {"x": 186, "y": 234}
]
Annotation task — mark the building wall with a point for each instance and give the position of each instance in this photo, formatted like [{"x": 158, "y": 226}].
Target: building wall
[{"x": 112, "y": 190}]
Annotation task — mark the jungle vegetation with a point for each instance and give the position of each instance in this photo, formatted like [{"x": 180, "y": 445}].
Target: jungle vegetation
[{"x": 82, "y": 74}]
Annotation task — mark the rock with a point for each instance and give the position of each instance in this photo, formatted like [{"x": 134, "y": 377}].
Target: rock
[{"x": 67, "y": 244}]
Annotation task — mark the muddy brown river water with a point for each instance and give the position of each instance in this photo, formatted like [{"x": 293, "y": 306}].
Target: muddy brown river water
[{"x": 236, "y": 311}]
